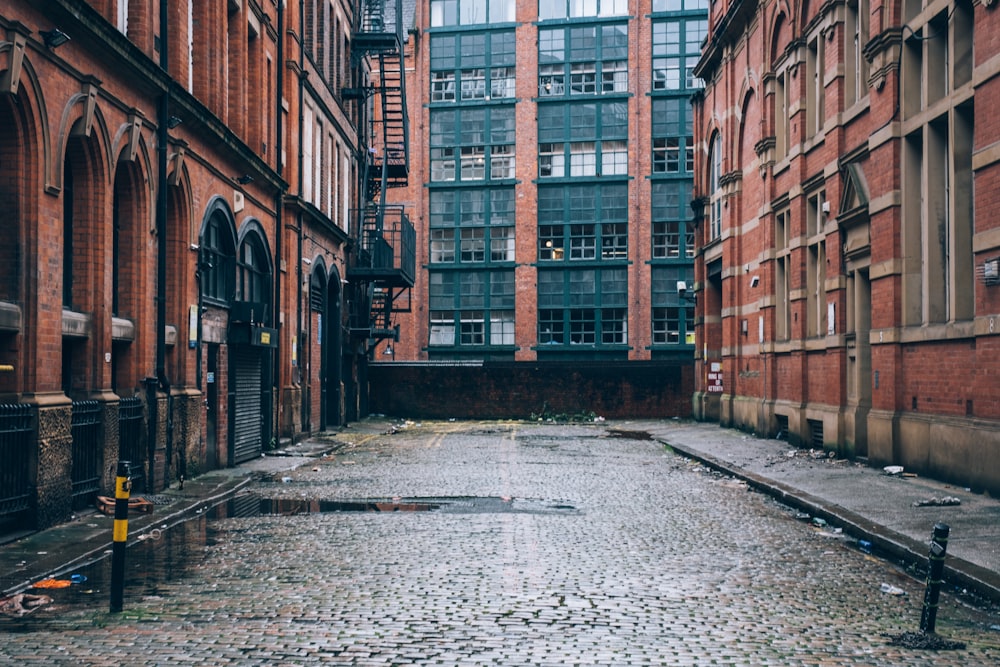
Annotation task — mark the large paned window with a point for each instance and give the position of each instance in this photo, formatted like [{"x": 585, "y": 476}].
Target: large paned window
[
  {"x": 590, "y": 59},
  {"x": 939, "y": 126},
  {"x": 673, "y": 229},
  {"x": 715, "y": 188},
  {"x": 855, "y": 63},
  {"x": 679, "y": 5},
  {"x": 673, "y": 143},
  {"x": 583, "y": 222},
  {"x": 815, "y": 86},
  {"x": 471, "y": 308},
  {"x": 471, "y": 67},
  {"x": 582, "y": 139},
  {"x": 471, "y": 12},
  {"x": 676, "y": 50},
  {"x": 218, "y": 256},
  {"x": 782, "y": 274},
  {"x": 672, "y": 316},
  {"x": 816, "y": 315},
  {"x": 472, "y": 226},
  {"x": 252, "y": 274},
  {"x": 563, "y": 9},
  {"x": 583, "y": 307},
  {"x": 472, "y": 143}
]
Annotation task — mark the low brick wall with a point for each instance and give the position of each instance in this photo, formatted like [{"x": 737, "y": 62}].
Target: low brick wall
[{"x": 517, "y": 390}]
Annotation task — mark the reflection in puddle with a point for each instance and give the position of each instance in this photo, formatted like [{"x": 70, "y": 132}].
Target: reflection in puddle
[{"x": 163, "y": 556}]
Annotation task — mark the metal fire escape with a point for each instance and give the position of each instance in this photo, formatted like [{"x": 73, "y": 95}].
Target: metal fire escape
[{"x": 385, "y": 265}]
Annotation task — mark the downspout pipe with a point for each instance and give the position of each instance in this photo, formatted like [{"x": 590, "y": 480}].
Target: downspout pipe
[
  {"x": 303, "y": 379},
  {"x": 162, "y": 139},
  {"x": 279, "y": 214}
]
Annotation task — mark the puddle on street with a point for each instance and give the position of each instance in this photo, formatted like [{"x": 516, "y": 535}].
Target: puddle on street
[
  {"x": 157, "y": 559},
  {"x": 152, "y": 566},
  {"x": 444, "y": 505}
]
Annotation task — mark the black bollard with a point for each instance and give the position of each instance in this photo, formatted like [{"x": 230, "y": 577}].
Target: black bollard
[
  {"x": 123, "y": 486},
  {"x": 939, "y": 546}
]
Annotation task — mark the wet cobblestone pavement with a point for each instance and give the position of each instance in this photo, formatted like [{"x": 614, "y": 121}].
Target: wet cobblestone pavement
[{"x": 562, "y": 545}]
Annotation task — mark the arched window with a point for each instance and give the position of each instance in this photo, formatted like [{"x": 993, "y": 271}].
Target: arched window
[
  {"x": 252, "y": 273},
  {"x": 218, "y": 256},
  {"x": 715, "y": 189}
]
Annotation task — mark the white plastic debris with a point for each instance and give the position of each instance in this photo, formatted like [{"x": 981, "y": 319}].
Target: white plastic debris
[
  {"x": 892, "y": 590},
  {"x": 893, "y": 470}
]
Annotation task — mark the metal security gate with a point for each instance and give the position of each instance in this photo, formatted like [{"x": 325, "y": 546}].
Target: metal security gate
[
  {"x": 17, "y": 427},
  {"x": 88, "y": 452},
  {"x": 131, "y": 439},
  {"x": 247, "y": 418}
]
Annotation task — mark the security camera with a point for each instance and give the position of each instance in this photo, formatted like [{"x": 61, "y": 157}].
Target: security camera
[{"x": 682, "y": 287}]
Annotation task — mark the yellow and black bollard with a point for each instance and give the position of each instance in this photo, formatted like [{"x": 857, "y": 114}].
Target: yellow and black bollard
[{"x": 123, "y": 485}]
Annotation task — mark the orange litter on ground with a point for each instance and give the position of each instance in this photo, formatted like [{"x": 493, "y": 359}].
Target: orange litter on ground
[{"x": 53, "y": 583}]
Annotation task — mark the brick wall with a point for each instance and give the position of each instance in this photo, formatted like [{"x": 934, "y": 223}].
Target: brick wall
[{"x": 517, "y": 390}]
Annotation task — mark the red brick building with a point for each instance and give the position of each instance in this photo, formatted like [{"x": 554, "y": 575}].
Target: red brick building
[
  {"x": 550, "y": 185},
  {"x": 847, "y": 272},
  {"x": 187, "y": 188}
]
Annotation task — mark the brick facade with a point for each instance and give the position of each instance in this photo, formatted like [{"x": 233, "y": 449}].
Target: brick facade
[
  {"x": 158, "y": 163},
  {"x": 417, "y": 341},
  {"x": 834, "y": 308}
]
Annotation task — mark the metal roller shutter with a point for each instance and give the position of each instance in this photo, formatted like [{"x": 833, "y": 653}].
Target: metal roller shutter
[{"x": 247, "y": 424}]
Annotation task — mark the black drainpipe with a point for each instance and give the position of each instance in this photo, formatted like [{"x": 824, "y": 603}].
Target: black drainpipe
[
  {"x": 303, "y": 379},
  {"x": 279, "y": 226},
  {"x": 161, "y": 243}
]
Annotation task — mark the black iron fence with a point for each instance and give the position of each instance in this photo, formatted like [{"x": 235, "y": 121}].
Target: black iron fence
[
  {"x": 88, "y": 452},
  {"x": 132, "y": 440},
  {"x": 17, "y": 437}
]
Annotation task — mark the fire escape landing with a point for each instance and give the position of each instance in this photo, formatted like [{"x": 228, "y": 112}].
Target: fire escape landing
[{"x": 385, "y": 265}]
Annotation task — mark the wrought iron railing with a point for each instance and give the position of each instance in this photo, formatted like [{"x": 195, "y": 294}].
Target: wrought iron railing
[
  {"x": 88, "y": 452},
  {"x": 132, "y": 439},
  {"x": 17, "y": 431}
]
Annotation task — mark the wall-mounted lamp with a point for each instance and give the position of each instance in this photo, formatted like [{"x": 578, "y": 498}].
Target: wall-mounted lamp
[
  {"x": 245, "y": 179},
  {"x": 54, "y": 38},
  {"x": 682, "y": 292},
  {"x": 755, "y": 281},
  {"x": 173, "y": 122},
  {"x": 387, "y": 351}
]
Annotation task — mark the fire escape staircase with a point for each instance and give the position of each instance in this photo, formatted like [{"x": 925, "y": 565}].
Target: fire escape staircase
[{"x": 385, "y": 266}]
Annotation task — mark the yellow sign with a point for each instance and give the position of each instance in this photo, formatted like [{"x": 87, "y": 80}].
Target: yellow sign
[{"x": 265, "y": 338}]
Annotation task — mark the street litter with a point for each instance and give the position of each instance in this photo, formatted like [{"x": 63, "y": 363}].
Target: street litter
[
  {"x": 52, "y": 583},
  {"x": 23, "y": 603},
  {"x": 107, "y": 505},
  {"x": 892, "y": 590},
  {"x": 893, "y": 470},
  {"x": 946, "y": 501}
]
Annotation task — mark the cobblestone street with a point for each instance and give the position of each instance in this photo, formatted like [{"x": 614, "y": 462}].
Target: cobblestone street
[{"x": 549, "y": 545}]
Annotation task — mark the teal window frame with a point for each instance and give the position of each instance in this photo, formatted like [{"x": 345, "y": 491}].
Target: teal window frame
[
  {"x": 470, "y": 67},
  {"x": 471, "y": 308},
  {"x": 586, "y": 306},
  {"x": 583, "y": 60},
  {"x": 583, "y": 139},
  {"x": 460, "y": 216},
  {"x": 472, "y": 143},
  {"x": 671, "y": 317},
  {"x": 578, "y": 222},
  {"x": 448, "y": 13},
  {"x": 676, "y": 49},
  {"x": 569, "y": 9},
  {"x": 672, "y": 136}
]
